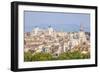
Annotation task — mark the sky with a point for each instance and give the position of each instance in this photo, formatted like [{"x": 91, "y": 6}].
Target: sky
[{"x": 60, "y": 21}]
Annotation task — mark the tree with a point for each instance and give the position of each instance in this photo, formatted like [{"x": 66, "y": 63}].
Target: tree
[
  {"x": 41, "y": 57},
  {"x": 27, "y": 56},
  {"x": 73, "y": 55}
]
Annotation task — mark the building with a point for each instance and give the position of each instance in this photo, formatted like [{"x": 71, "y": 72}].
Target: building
[{"x": 56, "y": 42}]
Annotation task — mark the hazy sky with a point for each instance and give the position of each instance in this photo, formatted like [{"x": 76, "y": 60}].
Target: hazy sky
[{"x": 67, "y": 22}]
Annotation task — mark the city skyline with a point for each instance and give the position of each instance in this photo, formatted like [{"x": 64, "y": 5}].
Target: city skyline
[{"x": 67, "y": 22}]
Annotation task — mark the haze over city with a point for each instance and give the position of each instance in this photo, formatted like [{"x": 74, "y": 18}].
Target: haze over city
[{"x": 67, "y": 22}]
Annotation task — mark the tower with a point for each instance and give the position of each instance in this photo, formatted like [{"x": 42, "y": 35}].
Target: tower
[
  {"x": 50, "y": 30},
  {"x": 82, "y": 36},
  {"x": 36, "y": 30},
  {"x": 81, "y": 27}
]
